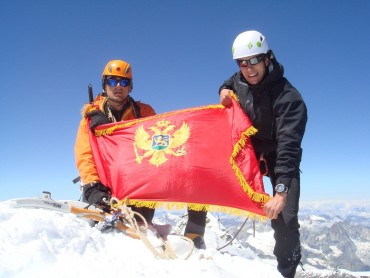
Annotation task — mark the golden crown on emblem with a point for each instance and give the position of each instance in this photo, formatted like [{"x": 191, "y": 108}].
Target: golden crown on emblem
[{"x": 162, "y": 123}]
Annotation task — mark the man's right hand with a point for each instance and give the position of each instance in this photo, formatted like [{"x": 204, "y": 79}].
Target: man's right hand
[
  {"x": 275, "y": 205},
  {"x": 225, "y": 97},
  {"x": 97, "y": 194}
]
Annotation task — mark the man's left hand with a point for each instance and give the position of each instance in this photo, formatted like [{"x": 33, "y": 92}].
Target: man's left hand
[{"x": 275, "y": 205}]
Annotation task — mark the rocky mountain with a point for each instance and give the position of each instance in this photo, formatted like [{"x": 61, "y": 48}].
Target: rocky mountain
[{"x": 335, "y": 235}]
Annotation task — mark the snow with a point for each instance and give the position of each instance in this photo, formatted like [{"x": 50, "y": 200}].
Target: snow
[
  {"x": 363, "y": 250},
  {"x": 337, "y": 208},
  {"x": 43, "y": 243},
  {"x": 263, "y": 241},
  {"x": 317, "y": 218},
  {"x": 336, "y": 252}
]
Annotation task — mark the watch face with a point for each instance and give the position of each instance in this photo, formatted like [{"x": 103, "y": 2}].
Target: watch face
[{"x": 280, "y": 188}]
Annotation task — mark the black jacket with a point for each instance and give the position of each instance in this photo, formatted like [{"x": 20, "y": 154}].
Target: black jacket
[{"x": 279, "y": 113}]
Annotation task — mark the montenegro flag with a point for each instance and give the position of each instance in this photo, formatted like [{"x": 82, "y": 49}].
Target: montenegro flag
[{"x": 200, "y": 158}]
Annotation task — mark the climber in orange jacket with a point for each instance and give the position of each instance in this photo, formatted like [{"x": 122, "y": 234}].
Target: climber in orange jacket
[{"x": 112, "y": 105}]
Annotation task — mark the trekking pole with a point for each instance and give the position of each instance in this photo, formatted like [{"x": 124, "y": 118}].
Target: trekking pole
[
  {"x": 218, "y": 249},
  {"x": 254, "y": 228}
]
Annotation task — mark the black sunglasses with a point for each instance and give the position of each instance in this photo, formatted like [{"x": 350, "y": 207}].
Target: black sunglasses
[
  {"x": 112, "y": 82},
  {"x": 252, "y": 61}
]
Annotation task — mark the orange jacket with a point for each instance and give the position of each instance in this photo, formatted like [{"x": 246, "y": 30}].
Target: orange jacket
[{"x": 83, "y": 154}]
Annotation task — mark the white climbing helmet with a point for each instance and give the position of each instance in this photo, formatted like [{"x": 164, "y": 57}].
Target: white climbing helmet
[{"x": 249, "y": 43}]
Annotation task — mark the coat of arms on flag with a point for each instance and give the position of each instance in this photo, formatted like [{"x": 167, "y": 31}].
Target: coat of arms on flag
[{"x": 160, "y": 141}]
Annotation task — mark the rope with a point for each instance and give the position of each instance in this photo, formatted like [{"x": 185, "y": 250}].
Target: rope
[
  {"x": 171, "y": 253},
  {"x": 132, "y": 221},
  {"x": 241, "y": 227},
  {"x": 166, "y": 250}
]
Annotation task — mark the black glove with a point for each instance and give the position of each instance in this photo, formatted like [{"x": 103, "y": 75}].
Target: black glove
[
  {"x": 97, "y": 118},
  {"x": 97, "y": 194}
]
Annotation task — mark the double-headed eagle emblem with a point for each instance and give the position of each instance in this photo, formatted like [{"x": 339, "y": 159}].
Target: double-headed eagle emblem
[{"x": 165, "y": 140}]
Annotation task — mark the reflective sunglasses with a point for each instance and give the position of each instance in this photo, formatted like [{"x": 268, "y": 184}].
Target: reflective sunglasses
[
  {"x": 112, "y": 82},
  {"x": 252, "y": 61}
]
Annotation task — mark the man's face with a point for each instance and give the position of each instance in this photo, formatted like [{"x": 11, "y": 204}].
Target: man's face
[
  {"x": 253, "y": 68},
  {"x": 116, "y": 91}
]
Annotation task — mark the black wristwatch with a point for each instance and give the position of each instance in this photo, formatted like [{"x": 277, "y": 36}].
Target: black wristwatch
[{"x": 280, "y": 188}]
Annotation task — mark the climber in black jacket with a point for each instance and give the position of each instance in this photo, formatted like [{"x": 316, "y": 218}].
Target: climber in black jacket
[{"x": 279, "y": 113}]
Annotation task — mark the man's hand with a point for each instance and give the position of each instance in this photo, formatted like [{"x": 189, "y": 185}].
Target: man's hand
[
  {"x": 97, "y": 118},
  {"x": 225, "y": 97},
  {"x": 275, "y": 205},
  {"x": 97, "y": 194}
]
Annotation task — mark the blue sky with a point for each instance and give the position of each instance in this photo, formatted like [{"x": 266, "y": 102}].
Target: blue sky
[{"x": 180, "y": 52}]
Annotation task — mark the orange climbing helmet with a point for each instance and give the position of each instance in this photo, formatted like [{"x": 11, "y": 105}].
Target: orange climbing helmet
[{"x": 117, "y": 68}]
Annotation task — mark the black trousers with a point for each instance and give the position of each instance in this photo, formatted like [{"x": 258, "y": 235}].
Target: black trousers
[
  {"x": 286, "y": 227},
  {"x": 286, "y": 233},
  {"x": 196, "y": 222},
  {"x": 147, "y": 213},
  {"x": 196, "y": 219}
]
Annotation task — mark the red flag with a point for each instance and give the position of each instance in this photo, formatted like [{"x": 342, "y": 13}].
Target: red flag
[{"x": 199, "y": 157}]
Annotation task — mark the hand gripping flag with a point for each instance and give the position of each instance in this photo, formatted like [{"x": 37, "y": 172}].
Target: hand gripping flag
[{"x": 200, "y": 158}]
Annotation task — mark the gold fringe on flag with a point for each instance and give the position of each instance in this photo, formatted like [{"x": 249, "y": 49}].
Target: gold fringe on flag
[
  {"x": 193, "y": 206},
  {"x": 255, "y": 196},
  {"x": 110, "y": 130}
]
